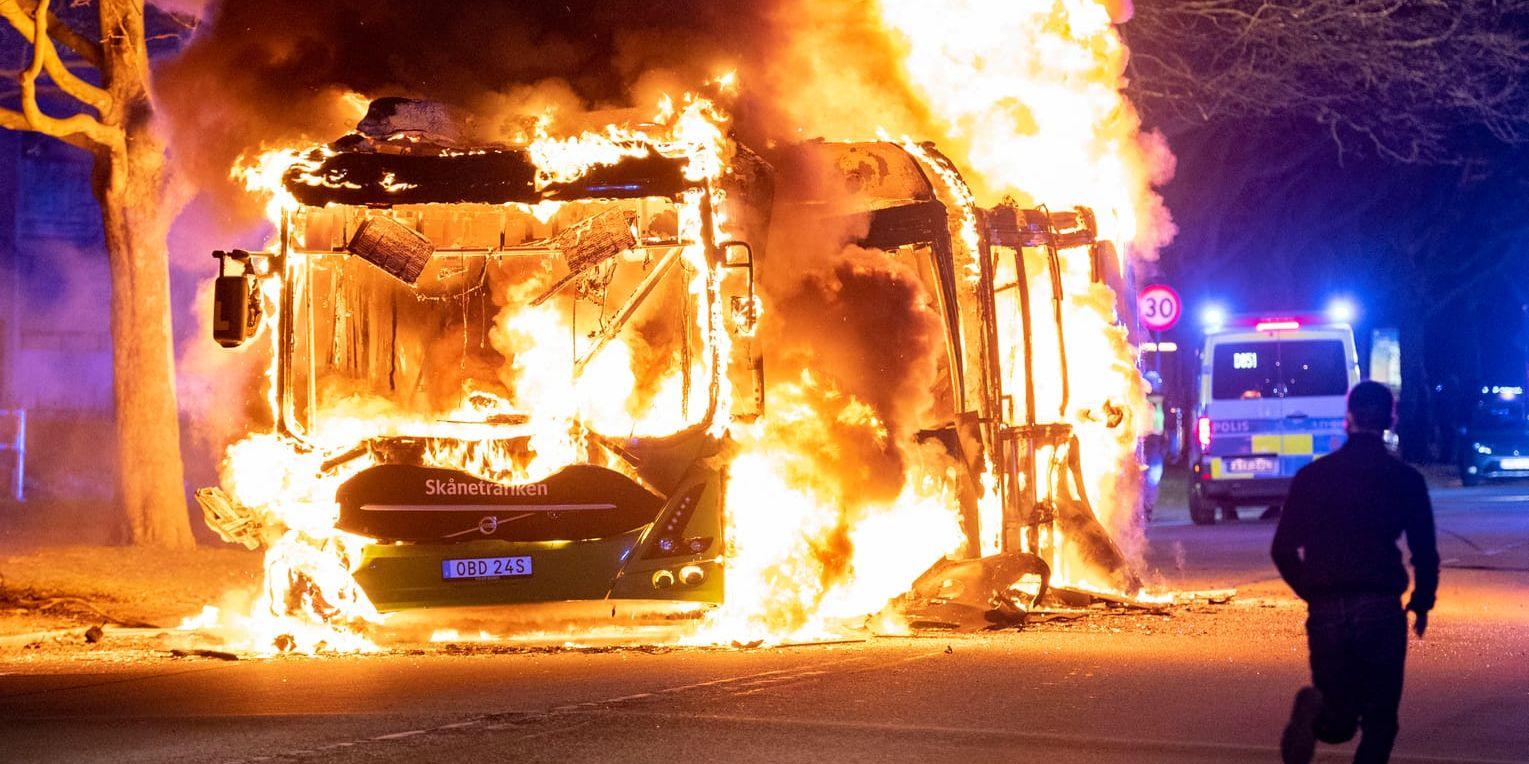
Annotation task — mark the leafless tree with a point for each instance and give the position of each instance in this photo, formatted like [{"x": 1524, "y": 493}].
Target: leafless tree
[
  {"x": 1409, "y": 79},
  {"x": 113, "y": 121}
]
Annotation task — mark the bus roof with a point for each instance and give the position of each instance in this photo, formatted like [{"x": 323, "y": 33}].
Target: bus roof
[{"x": 489, "y": 175}]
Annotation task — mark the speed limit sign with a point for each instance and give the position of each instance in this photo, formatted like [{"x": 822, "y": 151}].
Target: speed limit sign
[{"x": 1158, "y": 307}]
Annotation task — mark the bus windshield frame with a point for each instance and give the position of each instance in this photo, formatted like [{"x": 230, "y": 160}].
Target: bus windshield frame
[{"x": 301, "y": 402}]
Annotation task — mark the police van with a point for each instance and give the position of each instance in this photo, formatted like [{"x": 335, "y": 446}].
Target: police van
[{"x": 1272, "y": 397}]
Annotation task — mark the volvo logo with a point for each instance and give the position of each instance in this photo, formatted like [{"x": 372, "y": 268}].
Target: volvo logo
[{"x": 488, "y": 525}]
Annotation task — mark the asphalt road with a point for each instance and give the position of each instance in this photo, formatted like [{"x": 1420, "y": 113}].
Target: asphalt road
[{"x": 1204, "y": 684}]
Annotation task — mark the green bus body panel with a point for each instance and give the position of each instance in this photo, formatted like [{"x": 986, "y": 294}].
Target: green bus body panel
[{"x": 401, "y": 576}]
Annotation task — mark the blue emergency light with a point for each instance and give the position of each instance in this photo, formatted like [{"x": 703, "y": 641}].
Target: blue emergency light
[
  {"x": 1213, "y": 317},
  {"x": 1342, "y": 311}
]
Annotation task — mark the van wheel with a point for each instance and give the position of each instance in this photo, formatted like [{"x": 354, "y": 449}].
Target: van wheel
[
  {"x": 1468, "y": 480},
  {"x": 1201, "y": 511}
]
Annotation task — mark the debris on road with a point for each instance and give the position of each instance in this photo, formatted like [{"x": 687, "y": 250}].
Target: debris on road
[
  {"x": 1207, "y": 596},
  {"x": 977, "y": 594},
  {"x": 217, "y": 654}
]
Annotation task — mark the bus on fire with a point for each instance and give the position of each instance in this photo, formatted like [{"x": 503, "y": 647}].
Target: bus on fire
[{"x": 519, "y": 383}]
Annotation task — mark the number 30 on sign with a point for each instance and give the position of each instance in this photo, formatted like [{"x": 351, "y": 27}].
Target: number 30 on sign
[{"x": 1158, "y": 306}]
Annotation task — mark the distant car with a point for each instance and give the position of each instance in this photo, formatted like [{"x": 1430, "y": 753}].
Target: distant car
[
  {"x": 1495, "y": 442},
  {"x": 1271, "y": 399}
]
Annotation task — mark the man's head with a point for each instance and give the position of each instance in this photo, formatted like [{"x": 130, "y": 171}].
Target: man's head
[{"x": 1371, "y": 408}]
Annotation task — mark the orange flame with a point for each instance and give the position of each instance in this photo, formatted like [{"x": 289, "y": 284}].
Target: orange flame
[{"x": 1026, "y": 98}]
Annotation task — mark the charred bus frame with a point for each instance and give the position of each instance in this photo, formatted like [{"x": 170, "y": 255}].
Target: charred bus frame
[
  {"x": 911, "y": 195},
  {"x": 655, "y": 554},
  {"x": 650, "y": 531}
]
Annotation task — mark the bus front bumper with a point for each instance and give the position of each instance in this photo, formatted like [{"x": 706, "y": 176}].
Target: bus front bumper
[{"x": 405, "y": 576}]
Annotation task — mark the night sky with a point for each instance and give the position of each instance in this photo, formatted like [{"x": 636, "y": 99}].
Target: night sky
[{"x": 1275, "y": 218}]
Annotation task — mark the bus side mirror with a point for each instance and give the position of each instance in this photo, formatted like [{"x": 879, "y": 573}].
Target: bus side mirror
[
  {"x": 236, "y": 308},
  {"x": 743, "y": 307},
  {"x": 746, "y": 366},
  {"x": 737, "y": 254}
]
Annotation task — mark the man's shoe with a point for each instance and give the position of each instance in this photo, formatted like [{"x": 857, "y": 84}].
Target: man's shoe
[{"x": 1299, "y": 743}]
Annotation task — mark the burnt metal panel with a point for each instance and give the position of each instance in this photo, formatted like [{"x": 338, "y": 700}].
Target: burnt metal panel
[
  {"x": 489, "y": 176},
  {"x": 916, "y": 223},
  {"x": 1009, "y": 226},
  {"x": 843, "y": 177}
]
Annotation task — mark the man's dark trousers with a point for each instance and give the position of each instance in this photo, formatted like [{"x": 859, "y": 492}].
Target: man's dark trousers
[{"x": 1358, "y": 649}]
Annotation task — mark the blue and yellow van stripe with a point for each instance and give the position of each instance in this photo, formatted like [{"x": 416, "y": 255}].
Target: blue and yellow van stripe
[{"x": 1262, "y": 437}]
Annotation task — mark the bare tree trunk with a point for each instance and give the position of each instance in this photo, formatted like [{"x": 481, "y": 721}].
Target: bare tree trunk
[
  {"x": 150, "y": 479},
  {"x": 137, "y": 203},
  {"x": 136, "y": 209}
]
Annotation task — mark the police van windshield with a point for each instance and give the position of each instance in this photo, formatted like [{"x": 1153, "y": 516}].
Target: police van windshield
[{"x": 1283, "y": 369}]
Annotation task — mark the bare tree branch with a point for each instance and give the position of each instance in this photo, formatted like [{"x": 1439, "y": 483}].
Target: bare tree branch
[
  {"x": 1412, "y": 80},
  {"x": 82, "y": 125},
  {"x": 35, "y": 28},
  {"x": 15, "y": 120},
  {"x": 83, "y": 46},
  {"x": 10, "y": 82}
]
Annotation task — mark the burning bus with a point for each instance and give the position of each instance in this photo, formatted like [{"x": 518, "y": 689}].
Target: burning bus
[
  {"x": 508, "y": 374},
  {"x": 519, "y": 382}
]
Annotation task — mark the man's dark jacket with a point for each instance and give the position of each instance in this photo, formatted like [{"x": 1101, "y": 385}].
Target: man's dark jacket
[{"x": 1345, "y": 512}]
